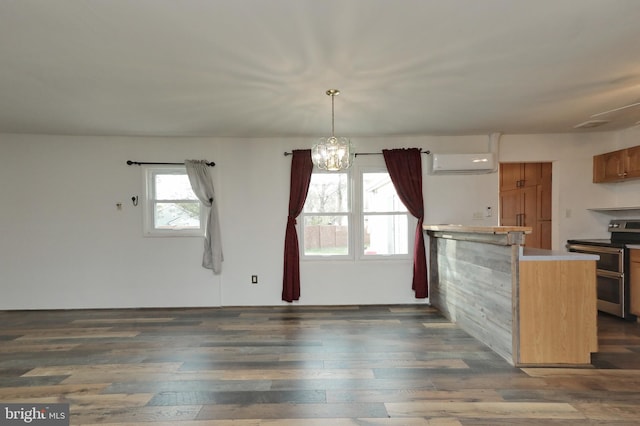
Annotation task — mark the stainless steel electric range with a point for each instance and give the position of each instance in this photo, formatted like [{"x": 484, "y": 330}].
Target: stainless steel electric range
[{"x": 613, "y": 267}]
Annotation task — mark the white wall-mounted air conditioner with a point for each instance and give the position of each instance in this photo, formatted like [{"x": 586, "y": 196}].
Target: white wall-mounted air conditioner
[{"x": 463, "y": 163}]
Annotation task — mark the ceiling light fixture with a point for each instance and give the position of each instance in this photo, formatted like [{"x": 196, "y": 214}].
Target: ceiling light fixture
[{"x": 332, "y": 154}]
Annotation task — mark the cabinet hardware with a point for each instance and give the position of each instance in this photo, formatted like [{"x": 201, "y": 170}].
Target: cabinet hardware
[{"x": 520, "y": 219}]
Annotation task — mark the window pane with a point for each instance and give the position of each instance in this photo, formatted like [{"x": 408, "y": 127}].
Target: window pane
[
  {"x": 328, "y": 192},
  {"x": 173, "y": 187},
  {"x": 177, "y": 215},
  {"x": 326, "y": 235},
  {"x": 385, "y": 234},
  {"x": 379, "y": 194}
]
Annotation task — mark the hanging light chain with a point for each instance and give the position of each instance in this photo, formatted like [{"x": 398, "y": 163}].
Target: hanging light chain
[{"x": 333, "y": 93}]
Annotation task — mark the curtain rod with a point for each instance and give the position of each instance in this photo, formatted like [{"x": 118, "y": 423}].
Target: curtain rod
[
  {"x": 366, "y": 153},
  {"x": 138, "y": 163}
]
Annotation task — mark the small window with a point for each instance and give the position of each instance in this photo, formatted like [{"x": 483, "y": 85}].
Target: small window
[{"x": 171, "y": 207}]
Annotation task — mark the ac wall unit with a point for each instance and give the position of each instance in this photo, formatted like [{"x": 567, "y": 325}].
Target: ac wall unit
[{"x": 463, "y": 163}]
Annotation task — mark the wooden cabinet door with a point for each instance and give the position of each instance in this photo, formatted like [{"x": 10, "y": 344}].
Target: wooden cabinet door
[
  {"x": 519, "y": 175},
  {"x": 609, "y": 167},
  {"x": 632, "y": 162},
  {"x": 634, "y": 281},
  {"x": 530, "y": 215},
  {"x": 545, "y": 234},
  {"x": 531, "y": 174},
  {"x": 510, "y": 175},
  {"x": 510, "y": 207},
  {"x": 544, "y": 192}
]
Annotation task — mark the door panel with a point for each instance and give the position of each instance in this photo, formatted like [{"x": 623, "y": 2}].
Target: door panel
[
  {"x": 531, "y": 173},
  {"x": 510, "y": 207},
  {"x": 633, "y": 162},
  {"x": 530, "y": 210},
  {"x": 510, "y": 175}
]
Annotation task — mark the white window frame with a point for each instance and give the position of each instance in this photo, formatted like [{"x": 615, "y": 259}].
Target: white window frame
[
  {"x": 412, "y": 222},
  {"x": 148, "y": 205},
  {"x": 348, "y": 214},
  {"x": 356, "y": 217}
]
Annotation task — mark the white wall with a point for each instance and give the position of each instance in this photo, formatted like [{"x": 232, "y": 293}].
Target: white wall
[{"x": 65, "y": 245}]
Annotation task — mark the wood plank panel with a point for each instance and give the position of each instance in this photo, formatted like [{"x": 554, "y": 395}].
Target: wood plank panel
[{"x": 474, "y": 289}]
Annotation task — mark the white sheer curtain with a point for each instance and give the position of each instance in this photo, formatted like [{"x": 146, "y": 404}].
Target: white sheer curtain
[{"x": 202, "y": 186}]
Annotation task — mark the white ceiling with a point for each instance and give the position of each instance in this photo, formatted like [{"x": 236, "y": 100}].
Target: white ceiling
[{"x": 260, "y": 68}]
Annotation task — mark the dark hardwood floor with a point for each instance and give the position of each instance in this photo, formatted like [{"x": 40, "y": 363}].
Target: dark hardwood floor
[{"x": 298, "y": 365}]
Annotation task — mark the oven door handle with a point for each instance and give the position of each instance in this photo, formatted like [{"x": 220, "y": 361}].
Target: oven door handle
[
  {"x": 609, "y": 274},
  {"x": 593, "y": 249}
]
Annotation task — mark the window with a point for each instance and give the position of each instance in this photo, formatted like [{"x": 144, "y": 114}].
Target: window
[
  {"x": 354, "y": 214},
  {"x": 326, "y": 215},
  {"x": 171, "y": 208},
  {"x": 385, "y": 218}
]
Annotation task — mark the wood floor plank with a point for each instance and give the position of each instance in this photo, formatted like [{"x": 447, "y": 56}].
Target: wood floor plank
[
  {"x": 510, "y": 410},
  {"x": 78, "y": 333},
  {"x": 142, "y": 415},
  {"x": 397, "y": 363},
  {"x": 404, "y": 395},
  {"x": 292, "y": 411},
  {"x": 90, "y": 370},
  {"x": 123, "y": 321},
  {"x": 32, "y": 392},
  {"x": 295, "y": 374}
]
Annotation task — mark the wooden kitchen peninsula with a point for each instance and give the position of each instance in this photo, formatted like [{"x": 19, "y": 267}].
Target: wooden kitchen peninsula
[{"x": 533, "y": 307}]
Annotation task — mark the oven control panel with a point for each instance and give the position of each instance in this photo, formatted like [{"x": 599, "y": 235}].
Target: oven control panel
[{"x": 624, "y": 225}]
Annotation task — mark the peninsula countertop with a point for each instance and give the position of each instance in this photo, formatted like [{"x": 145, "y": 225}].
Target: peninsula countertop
[
  {"x": 535, "y": 254},
  {"x": 477, "y": 229},
  {"x": 500, "y": 235}
]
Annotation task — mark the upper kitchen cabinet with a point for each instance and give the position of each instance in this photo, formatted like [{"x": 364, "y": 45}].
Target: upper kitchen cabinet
[{"x": 617, "y": 166}]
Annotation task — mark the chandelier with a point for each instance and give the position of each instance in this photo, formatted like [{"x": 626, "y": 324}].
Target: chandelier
[{"x": 332, "y": 153}]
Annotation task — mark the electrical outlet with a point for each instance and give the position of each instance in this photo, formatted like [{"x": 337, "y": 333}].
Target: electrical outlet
[
  {"x": 488, "y": 212},
  {"x": 254, "y": 279}
]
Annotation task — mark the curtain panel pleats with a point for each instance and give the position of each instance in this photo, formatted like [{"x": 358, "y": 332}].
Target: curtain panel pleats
[
  {"x": 301, "y": 168},
  {"x": 202, "y": 185},
  {"x": 405, "y": 169}
]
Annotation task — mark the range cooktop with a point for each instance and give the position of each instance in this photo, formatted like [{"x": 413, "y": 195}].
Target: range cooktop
[{"x": 601, "y": 242}]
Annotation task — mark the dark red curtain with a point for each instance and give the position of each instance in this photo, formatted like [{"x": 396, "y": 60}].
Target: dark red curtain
[
  {"x": 405, "y": 170},
  {"x": 301, "y": 168}
]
